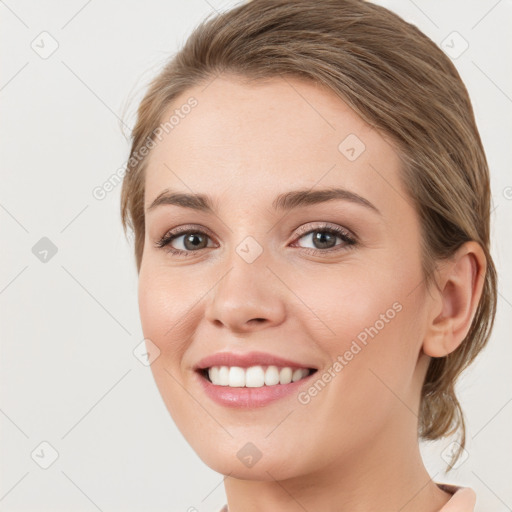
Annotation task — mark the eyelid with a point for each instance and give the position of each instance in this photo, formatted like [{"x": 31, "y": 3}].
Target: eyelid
[
  {"x": 186, "y": 228},
  {"x": 307, "y": 228}
]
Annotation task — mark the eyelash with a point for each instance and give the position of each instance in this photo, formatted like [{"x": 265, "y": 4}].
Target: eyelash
[{"x": 350, "y": 241}]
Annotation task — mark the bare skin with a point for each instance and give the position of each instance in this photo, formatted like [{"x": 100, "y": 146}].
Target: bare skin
[{"x": 353, "y": 446}]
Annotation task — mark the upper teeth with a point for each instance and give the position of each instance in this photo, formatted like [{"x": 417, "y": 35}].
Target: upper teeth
[{"x": 254, "y": 376}]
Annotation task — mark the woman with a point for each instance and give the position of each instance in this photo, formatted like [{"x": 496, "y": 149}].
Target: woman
[{"x": 310, "y": 201}]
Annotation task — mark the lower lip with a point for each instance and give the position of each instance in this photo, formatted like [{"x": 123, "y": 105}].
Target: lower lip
[{"x": 250, "y": 397}]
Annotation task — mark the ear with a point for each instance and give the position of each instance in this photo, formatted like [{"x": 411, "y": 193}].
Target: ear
[{"x": 460, "y": 280}]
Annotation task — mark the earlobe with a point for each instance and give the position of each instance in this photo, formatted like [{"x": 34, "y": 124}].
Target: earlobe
[
  {"x": 460, "y": 281},
  {"x": 435, "y": 345}
]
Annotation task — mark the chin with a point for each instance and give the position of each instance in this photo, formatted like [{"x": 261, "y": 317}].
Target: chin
[{"x": 246, "y": 462}]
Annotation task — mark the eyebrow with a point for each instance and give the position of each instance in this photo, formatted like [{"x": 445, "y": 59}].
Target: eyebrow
[{"x": 285, "y": 201}]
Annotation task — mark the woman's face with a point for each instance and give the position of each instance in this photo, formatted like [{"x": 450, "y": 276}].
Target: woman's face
[{"x": 285, "y": 273}]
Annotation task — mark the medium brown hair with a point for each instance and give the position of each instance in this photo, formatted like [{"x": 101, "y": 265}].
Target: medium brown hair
[{"x": 397, "y": 80}]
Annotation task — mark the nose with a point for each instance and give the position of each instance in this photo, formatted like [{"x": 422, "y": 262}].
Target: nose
[{"x": 247, "y": 298}]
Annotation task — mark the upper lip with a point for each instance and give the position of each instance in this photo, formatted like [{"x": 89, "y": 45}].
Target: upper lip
[{"x": 246, "y": 360}]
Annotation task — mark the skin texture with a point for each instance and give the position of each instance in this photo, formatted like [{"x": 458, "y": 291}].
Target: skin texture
[{"x": 354, "y": 446}]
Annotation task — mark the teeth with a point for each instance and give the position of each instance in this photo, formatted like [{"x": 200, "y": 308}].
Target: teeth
[
  {"x": 297, "y": 375},
  {"x": 272, "y": 376},
  {"x": 236, "y": 377},
  {"x": 254, "y": 376},
  {"x": 223, "y": 376},
  {"x": 285, "y": 375}
]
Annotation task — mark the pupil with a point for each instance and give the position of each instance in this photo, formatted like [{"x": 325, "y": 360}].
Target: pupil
[
  {"x": 322, "y": 239},
  {"x": 191, "y": 241}
]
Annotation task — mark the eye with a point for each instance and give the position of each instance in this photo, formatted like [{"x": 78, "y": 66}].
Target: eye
[
  {"x": 324, "y": 239},
  {"x": 184, "y": 241}
]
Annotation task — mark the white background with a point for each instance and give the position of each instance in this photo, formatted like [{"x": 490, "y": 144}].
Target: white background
[{"x": 69, "y": 326}]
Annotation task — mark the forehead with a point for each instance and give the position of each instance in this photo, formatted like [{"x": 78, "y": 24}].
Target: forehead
[{"x": 242, "y": 138}]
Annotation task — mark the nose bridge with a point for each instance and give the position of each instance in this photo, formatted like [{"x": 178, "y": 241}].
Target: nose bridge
[{"x": 247, "y": 295}]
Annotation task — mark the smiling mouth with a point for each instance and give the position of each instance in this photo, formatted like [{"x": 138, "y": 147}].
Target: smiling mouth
[{"x": 254, "y": 376}]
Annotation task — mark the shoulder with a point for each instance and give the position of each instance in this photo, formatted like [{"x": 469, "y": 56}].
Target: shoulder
[{"x": 463, "y": 498}]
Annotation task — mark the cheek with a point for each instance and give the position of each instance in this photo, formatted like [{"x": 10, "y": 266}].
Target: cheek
[
  {"x": 341, "y": 303},
  {"x": 367, "y": 316},
  {"x": 374, "y": 324},
  {"x": 163, "y": 307},
  {"x": 153, "y": 306}
]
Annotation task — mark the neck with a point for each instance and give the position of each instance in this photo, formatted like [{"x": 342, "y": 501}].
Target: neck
[{"x": 388, "y": 474}]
